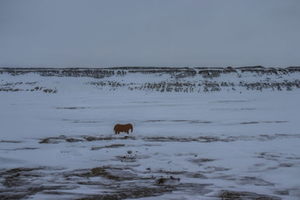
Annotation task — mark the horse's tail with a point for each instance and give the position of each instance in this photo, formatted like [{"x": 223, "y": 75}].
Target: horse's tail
[{"x": 131, "y": 127}]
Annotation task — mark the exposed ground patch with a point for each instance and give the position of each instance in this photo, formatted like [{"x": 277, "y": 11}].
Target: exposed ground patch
[
  {"x": 202, "y": 139},
  {"x": 264, "y": 122},
  {"x": 178, "y": 121},
  {"x": 10, "y": 141},
  {"x": 229, "y": 195},
  {"x": 71, "y": 108},
  {"x": 77, "y": 121},
  {"x": 121, "y": 182},
  {"x": 109, "y": 146}
]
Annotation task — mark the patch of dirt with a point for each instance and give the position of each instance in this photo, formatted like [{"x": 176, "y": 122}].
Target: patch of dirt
[
  {"x": 232, "y": 101},
  {"x": 26, "y": 192},
  {"x": 20, "y": 170},
  {"x": 11, "y": 87},
  {"x": 156, "y": 120},
  {"x": 131, "y": 158},
  {"x": 10, "y": 141},
  {"x": 182, "y": 139},
  {"x": 25, "y": 148},
  {"x": 71, "y": 108},
  {"x": 187, "y": 121},
  {"x": 202, "y": 139},
  {"x": 74, "y": 140},
  {"x": 286, "y": 165},
  {"x": 132, "y": 192},
  {"x": 84, "y": 138},
  {"x": 19, "y": 183},
  {"x": 92, "y": 138},
  {"x": 169, "y": 180},
  {"x": 231, "y": 195},
  {"x": 211, "y": 169},
  {"x": 197, "y": 175},
  {"x": 109, "y": 146},
  {"x": 276, "y": 157},
  {"x": 189, "y": 154},
  {"x": 247, "y": 180},
  {"x": 53, "y": 140},
  {"x": 85, "y": 122},
  {"x": 103, "y": 171},
  {"x": 158, "y": 187},
  {"x": 200, "y": 161},
  {"x": 282, "y": 192},
  {"x": 264, "y": 122}
]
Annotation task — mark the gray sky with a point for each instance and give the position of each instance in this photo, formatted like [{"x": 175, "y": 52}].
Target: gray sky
[{"x": 98, "y": 33}]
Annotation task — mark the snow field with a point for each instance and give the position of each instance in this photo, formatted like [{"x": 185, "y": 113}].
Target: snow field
[{"x": 200, "y": 143}]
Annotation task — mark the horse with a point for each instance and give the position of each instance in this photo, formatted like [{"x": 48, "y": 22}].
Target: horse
[{"x": 123, "y": 128}]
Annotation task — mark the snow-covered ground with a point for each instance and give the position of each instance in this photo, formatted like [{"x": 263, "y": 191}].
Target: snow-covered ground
[{"x": 191, "y": 144}]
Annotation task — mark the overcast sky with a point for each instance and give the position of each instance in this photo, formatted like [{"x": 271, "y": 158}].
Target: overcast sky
[{"x": 98, "y": 33}]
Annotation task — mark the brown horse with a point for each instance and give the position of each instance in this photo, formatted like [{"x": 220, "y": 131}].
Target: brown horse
[{"x": 123, "y": 128}]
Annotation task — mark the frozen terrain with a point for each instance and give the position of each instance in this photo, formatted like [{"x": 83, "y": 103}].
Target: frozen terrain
[{"x": 199, "y": 133}]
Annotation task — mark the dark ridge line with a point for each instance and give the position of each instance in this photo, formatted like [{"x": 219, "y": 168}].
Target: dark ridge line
[
  {"x": 175, "y": 72},
  {"x": 258, "y": 67}
]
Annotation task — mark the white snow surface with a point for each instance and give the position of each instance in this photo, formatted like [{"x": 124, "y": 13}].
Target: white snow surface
[{"x": 204, "y": 143}]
